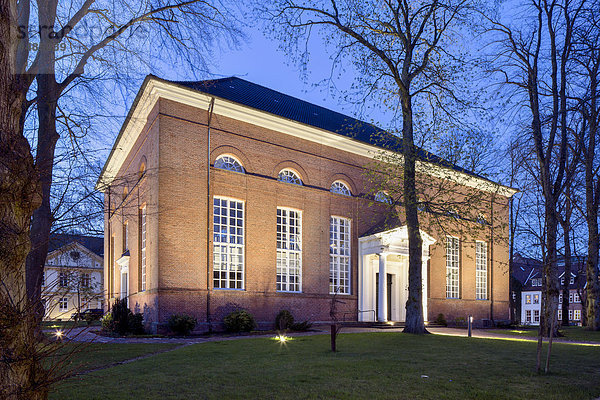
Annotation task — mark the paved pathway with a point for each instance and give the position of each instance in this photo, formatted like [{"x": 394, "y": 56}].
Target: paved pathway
[{"x": 86, "y": 334}]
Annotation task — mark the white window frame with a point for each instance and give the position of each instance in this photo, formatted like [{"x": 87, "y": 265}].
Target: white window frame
[
  {"x": 571, "y": 298},
  {"x": 536, "y": 315},
  {"x": 143, "y": 239},
  {"x": 289, "y": 250},
  {"x": 527, "y": 299},
  {"x": 340, "y": 187},
  {"x": 290, "y": 176},
  {"x": 577, "y": 315},
  {"x": 570, "y": 315},
  {"x": 229, "y": 251},
  {"x": 559, "y": 315},
  {"x": 528, "y": 316},
  {"x": 452, "y": 267},
  {"x": 576, "y": 298},
  {"x": 536, "y": 299},
  {"x": 63, "y": 301},
  {"x": 63, "y": 279},
  {"x": 229, "y": 162},
  {"x": 86, "y": 280},
  {"x": 383, "y": 197},
  {"x": 340, "y": 254},
  {"x": 481, "y": 270}
]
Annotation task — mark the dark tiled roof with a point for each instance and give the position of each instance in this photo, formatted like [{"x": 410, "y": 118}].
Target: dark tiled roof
[
  {"x": 92, "y": 243},
  {"x": 525, "y": 269},
  {"x": 261, "y": 98}
]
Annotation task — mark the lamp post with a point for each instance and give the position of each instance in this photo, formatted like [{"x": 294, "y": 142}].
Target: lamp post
[{"x": 470, "y": 324}]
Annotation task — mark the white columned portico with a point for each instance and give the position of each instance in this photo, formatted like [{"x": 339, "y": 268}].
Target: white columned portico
[
  {"x": 382, "y": 312},
  {"x": 386, "y": 254}
]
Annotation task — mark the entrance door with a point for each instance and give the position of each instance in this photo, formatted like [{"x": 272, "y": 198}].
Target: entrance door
[
  {"x": 389, "y": 295},
  {"x": 124, "y": 287}
]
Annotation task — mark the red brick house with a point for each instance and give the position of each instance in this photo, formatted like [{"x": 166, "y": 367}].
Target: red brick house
[{"x": 225, "y": 194}]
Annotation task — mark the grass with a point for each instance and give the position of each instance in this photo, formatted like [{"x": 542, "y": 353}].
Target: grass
[
  {"x": 62, "y": 325},
  {"x": 574, "y": 333},
  {"x": 370, "y": 365},
  {"x": 87, "y": 356}
]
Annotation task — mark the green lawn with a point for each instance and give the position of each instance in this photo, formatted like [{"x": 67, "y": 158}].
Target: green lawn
[
  {"x": 86, "y": 356},
  {"x": 575, "y": 333},
  {"x": 66, "y": 324},
  {"x": 371, "y": 365}
]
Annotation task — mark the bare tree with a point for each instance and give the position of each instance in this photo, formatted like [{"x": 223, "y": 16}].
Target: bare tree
[
  {"x": 535, "y": 58},
  {"x": 78, "y": 47},
  {"x": 402, "y": 52}
]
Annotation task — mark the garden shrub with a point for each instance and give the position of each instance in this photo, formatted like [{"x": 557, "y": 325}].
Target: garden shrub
[
  {"x": 239, "y": 321},
  {"x": 284, "y": 320},
  {"x": 301, "y": 326},
  {"x": 181, "y": 324},
  {"x": 441, "y": 320},
  {"x": 121, "y": 321}
]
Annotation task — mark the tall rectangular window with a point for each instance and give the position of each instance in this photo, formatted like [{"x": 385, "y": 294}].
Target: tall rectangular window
[
  {"x": 142, "y": 248},
  {"x": 85, "y": 280},
  {"x": 481, "y": 271},
  {"x": 570, "y": 315},
  {"x": 125, "y": 237},
  {"x": 228, "y": 244},
  {"x": 452, "y": 267},
  {"x": 289, "y": 250},
  {"x": 577, "y": 315},
  {"x": 339, "y": 255},
  {"x": 63, "y": 304},
  {"x": 536, "y": 299},
  {"x": 536, "y": 315},
  {"x": 527, "y": 315},
  {"x": 63, "y": 279}
]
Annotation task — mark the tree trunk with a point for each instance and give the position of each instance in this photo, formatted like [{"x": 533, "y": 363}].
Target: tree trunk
[
  {"x": 47, "y": 100},
  {"x": 20, "y": 370},
  {"x": 414, "y": 304},
  {"x": 566, "y": 226}
]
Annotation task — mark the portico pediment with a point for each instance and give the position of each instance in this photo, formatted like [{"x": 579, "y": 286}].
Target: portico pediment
[{"x": 393, "y": 241}]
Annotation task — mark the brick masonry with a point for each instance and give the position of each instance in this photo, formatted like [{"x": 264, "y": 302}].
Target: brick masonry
[{"x": 173, "y": 147}]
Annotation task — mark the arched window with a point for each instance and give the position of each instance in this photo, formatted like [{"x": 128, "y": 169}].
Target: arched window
[
  {"x": 289, "y": 176},
  {"x": 340, "y": 187},
  {"x": 383, "y": 197},
  {"x": 229, "y": 163},
  {"x": 481, "y": 219}
]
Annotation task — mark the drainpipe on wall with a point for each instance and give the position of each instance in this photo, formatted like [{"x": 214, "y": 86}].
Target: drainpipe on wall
[
  {"x": 492, "y": 259},
  {"x": 208, "y": 219}
]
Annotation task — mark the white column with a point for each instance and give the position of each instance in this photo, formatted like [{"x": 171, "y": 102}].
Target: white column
[{"x": 382, "y": 317}]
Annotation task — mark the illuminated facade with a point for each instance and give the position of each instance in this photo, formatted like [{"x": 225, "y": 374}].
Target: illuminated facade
[{"x": 224, "y": 194}]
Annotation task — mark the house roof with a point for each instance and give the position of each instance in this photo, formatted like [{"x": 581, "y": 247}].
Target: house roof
[
  {"x": 268, "y": 100},
  {"x": 525, "y": 269},
  {"x": 93, "y": 243}
]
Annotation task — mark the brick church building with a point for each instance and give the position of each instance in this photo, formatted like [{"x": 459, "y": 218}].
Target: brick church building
[{"x": 225, "y": 194}]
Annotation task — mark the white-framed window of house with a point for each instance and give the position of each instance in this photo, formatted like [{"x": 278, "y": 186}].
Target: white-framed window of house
[
  {"x": 85, "y": 280},
  {"x": 536, "y": 315},
  {"x": 559, "y": 315},
  {"x": 562, "y": 281},
  {"x": 228, "y": 243},
  {"x": 289, "y": 176},
  {"x": 560, "y": 299},
  {"x": 527, "y": 299},
  {"x": 340, "y": 187},
  {"x": 536, "y": 282},
  {"x": 44, "y": 277},
  {"x": 383, "y": 197},
  {"x": 63, "y": 304},
  {"x": 63, "y": 279},
  {"x": 339, "y": 255},
  {"x": 570, "y": 315},
  {"x": 536, "y": 299},
  {"x": 572, "y": 280},
  {"x": 452, "y": 267},
  {"x": 570, "y": 297},
  {"x": 577, "y": 315},
  {"x": 576, "y": 298},
  {"x": 528, "y": 316},
  {"x": 229, "y": 163},
  {"x": 142, "y": 242},
  {"x": 289, "y": 250},
  {"x": 481, "y": 271}
]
